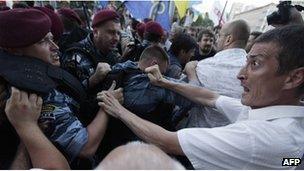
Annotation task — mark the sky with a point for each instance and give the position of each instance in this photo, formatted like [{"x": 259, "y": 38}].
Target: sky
[
  {"x": 206, "y": 4},
  {"x": 256, "y": 3}
]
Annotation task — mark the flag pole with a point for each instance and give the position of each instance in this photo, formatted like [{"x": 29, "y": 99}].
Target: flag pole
[
  {"x": 85, "y": 10},
  {"x": 222, "y": 13},
  {"x": 121, "y": 5}
]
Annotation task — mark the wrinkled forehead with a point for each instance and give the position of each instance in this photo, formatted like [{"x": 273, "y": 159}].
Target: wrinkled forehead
[{"x": 264, "y": 50}]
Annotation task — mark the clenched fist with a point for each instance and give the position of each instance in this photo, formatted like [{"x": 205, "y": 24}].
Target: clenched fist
[
  {"x": 22, "y": 108},
  {"x": 101, "y": 72}
]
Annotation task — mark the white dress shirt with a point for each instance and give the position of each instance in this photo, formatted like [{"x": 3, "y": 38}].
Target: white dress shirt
[
  {"x": 219, "y": 74},
  {"x": 259, "y": 138}
]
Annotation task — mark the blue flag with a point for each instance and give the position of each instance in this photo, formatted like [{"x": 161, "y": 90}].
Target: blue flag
[
  {"x": 162, "y": 14},
  {"x": 159, "y": 10},
  {"x": 103, "y": 3}
]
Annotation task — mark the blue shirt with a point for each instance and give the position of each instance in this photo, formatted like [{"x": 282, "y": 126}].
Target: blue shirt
[
  {"x": 175, "y": 67},
  {"x": 61, "y": 126},
  {"x": 143, "y": 97}
]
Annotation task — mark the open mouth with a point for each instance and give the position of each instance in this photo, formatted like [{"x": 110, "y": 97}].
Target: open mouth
[{"x": 55, "y": 56}]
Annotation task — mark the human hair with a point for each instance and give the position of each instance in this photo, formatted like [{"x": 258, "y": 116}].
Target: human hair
[
  {"x": 81, "y": 14},
  {"x": 134, "y": 23},
  {"x": 139, "y": 156},
  {"x": 191, "y": 28},
  {"x": 290, "y": 40},
  {"x": 49, "y": 6},
  {"x": 68, "y": 24},
  {"x": 184, "y": 42},
  {"x": 204, "y": 32},
  {"x": 152, "y": 37},
  {"x": 154, "y": 51},
  {"x": 256, "y": 34},
  {"x": 240, "y": 30}
]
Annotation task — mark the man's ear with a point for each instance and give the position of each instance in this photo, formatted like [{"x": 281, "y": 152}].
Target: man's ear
[
  {"x": 95, "y": 32},
  {"x": 154, "y": 62},
  {"x": 294, "y": 79},
  {"x": 229, "y": 40}
]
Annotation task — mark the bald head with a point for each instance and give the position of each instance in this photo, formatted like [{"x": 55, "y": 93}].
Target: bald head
[
  {"x": 139, "y": 156},
  {"x": 237, "y": 32}
]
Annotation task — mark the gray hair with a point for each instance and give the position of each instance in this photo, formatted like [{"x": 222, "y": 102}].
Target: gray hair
[{"x": 137, "y": 155}]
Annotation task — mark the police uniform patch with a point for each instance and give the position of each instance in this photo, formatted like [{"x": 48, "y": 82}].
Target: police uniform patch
[
  {"x": 47, "y": 118},
  {"x": 78, "y": 58},
  {"x": 47, "y": 111}
]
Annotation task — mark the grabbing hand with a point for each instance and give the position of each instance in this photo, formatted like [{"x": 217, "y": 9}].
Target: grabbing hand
[
  {"x": 190, "y": 70},
  {"x": 154, "y": 75},
  {"x": 118, "y": 93},
  {"x": 22, "y": 108},
  {"x": 101, "y": 72},
  {"x": 128, "y": 49},
  {"x": 111, "y": 105}
]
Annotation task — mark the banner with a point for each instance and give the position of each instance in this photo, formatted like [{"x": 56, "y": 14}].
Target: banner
[
  {"x": 183, "y": 5},
  {"x": 157, "y": 10},
  {"x": 216, "y": 13},
  {"x": 103, "y": 4}
]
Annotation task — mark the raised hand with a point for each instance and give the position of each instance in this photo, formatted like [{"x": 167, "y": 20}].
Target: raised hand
[
  {"x": 23, "y": 108},
  {"x": 101, "y": 72},
  {"x": 111, "y": 105},
  {"x": 190, "y": 70},
  {"x": 118, "y": 93},
  {"x": 154, "y": 75}
]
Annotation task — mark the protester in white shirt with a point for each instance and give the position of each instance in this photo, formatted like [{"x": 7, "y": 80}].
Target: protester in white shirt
[
  {"x": 219, "y": 73},
  {"x": 268, "y": 124}
]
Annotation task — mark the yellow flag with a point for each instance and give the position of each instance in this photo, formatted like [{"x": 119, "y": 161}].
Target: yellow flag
[{"x": 182, "y": 6}]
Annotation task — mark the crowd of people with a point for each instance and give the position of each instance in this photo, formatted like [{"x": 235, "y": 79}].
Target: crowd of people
[{"x": 132, "y": 95}]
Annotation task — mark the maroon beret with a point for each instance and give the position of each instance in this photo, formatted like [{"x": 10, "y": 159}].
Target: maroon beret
[
  {"x": 22, "y": 27},
  {"x": 104, "y": 15},
  {"x": 70, "y": 14},
  {"x": 57, "y": 26},
  {"x": 140, "y": 28},
  {"x": 154, "y": 28}
]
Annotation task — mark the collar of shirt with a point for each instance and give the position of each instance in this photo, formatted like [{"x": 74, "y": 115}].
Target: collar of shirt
[
  {"x": 173, "y": 59},
  {"x": 276, "y": 112},
  {"x": 227, "y": 52}
]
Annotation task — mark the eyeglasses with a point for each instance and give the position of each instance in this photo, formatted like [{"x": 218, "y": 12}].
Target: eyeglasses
[
  {"x": 224, "y": 35},
  {"x": 48, "y": 40}
]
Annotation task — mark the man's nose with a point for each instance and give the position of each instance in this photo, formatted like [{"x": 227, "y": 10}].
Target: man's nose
[
  {"x": 242, "y": 74},
  {"x": 54, "y": 46},
  {"x": 116, "y": 37},
  {"x": 209, "y": 42}
]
